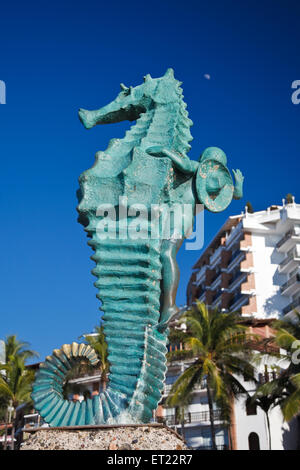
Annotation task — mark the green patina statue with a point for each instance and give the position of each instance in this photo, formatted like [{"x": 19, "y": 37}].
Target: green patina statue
[{"x": 126, "y": 202}]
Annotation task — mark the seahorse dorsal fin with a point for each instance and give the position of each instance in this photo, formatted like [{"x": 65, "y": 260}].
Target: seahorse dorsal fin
[{"x": 169, "y": 73}]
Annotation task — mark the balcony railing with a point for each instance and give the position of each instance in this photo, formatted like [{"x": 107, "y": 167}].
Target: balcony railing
[
  {"x": 239, "y": 275},
  {"x": 237, "y": 255},
  {"x": 216, "y": 299},
  {"x": 286, "y": 237},
  {"x": 201, "y": 273},
  {"x": 190, "y": 418},
  {"x": 293, "y": 280},
  {"x": 292, "y": 306},
  {"x": 216, "y": 255},
  {"x": 219, "y": 447},
  {"x": 292, "y": 255},
  {"x": 267, "y": 377},
  {"x": 215, "y": 281},
  {"x": 235, "y": 236},
  {"x": 202, "y": 386}
]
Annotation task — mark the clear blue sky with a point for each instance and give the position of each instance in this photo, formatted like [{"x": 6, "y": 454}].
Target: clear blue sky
[{"x": 58, "y": 56}]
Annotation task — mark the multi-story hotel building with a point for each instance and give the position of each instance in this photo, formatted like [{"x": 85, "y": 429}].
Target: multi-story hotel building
[
  {"x": 252, "y": 264},
  {"x": 248, "y": 429}
]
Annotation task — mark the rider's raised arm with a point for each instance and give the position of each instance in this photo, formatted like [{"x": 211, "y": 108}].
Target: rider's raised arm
[{"x": 180, "y": 161}]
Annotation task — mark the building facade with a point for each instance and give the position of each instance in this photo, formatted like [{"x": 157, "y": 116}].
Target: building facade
[
  {"x": 252, "y": 264},
  {"x": 248, "y": 430}
]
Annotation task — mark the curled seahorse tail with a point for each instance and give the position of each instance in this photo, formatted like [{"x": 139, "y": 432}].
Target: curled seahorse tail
[
  {"x": 109, "y": 406},
  {"x": 48, "y": 396}
]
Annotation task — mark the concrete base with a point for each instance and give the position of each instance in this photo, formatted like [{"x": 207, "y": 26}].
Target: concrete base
[{"x": 126, "y": 437}]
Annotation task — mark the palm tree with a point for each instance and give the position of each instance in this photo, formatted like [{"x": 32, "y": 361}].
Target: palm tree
[
  {"x": 98, "y": 343},
  {"x": 289, "y": 198},
  {"x": 18, "y": 348},
  {"x": 284, "y": 390},
  {"x": 222, "y": 351},
  {"x": 249, "y": 207},
  {"x": 267, "y": 397},
  {"x": 16, "y": 383}
]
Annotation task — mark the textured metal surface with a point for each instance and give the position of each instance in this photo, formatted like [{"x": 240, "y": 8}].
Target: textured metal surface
[{"x": 137, "y": 279}]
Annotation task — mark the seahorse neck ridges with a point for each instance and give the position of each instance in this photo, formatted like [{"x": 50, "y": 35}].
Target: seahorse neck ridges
[{"x": 128, "y": 271}]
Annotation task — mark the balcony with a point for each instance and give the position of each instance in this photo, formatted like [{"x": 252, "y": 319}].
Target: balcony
[
  {"x": 295, "y": 305},
  {"x": 236, "y": 235},
  {"x": 237, "y": 279},
  {"x": 216, "y": 281},
  {"x": 238, "y": 301},
  {"x": 219, "y": 447},
  {"x": 191, "y": 418},
  {"x": 200, "y": 276},
  {"x": 291, "y": 286},
  {"x": 197, "y": 388},
  {"x": 288, "y": 240},
  {"x": 216, "y": 256},
  {"x": 216, "y": 301},
  {"x": 237, "y": 257},
  {"x": 199, "y": 292},
  {"x": 291, "y": 260}
]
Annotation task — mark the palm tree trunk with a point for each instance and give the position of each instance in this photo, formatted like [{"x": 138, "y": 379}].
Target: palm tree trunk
[
  {"x": 103, "y": 382},
  {"x": 182, "y": 423},
  {"x": 13, "y": 437},
  {"x": 211, "y": 416},
  {"x": 5, "y": 435},
  {"x": 269, "y": 430},
  {"x": 13, "y": 430}
]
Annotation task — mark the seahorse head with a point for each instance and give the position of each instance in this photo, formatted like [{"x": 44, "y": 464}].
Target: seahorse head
[{"x": 131, "y": 102}]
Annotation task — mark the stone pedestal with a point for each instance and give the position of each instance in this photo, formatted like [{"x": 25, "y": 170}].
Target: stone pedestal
[{"x": 126, "y": 437}]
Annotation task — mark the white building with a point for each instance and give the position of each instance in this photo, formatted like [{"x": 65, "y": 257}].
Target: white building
[{"x": 252, "y": 266}]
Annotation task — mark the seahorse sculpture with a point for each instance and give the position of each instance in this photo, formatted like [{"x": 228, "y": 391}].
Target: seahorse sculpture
[{"x": 145, "y": 173}]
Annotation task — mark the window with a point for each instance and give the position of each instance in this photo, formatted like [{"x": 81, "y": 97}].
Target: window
[
  {"x": 253, "y": 440},
  {"x": 250, "y": 408}
]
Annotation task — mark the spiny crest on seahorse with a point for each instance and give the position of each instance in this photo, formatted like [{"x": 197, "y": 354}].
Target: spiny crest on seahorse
[
  {"x": 137, "y": 275},
  {"x": 128, "y": 271}
]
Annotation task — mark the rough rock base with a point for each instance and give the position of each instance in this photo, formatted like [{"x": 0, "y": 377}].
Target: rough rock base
[{"x": 126, "y": 437}]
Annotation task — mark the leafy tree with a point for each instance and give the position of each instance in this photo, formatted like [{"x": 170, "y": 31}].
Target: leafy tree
[
  {"x": 98, "y": 343},
  {"x": 222, "y": 351},
  {"x": 285, "y": 389},
  {"x": 17, "y": 348},
  {"x": 16, "y": 383},
  {"x": 289, "y": 198},
  {"x": 266, "y": 397},
  {"x": 249, "y": 207}
]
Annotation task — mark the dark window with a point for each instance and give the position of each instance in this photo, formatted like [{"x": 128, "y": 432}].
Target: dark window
[
  {"x": 250, "y": 408},
  {"x": 253, "y": 440}
]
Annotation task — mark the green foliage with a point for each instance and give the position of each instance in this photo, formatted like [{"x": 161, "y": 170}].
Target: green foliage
[
  {"x": 221, "y": 348},
  {"x": 249, "y": 207},
  {"x": 98, "y": 343},
  {"x": 15, "y": 379},
  {"x": 17, "y": 348},
  {"x": 16, "y": 382},
  {"x": 285, "y": 389}
]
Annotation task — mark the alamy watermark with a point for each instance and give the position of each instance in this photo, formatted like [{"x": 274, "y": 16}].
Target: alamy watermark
[
  {"x": 173, "y": 222},
  {"x": 2, "y": 92},
  {"x": 296, "y": 94}
]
